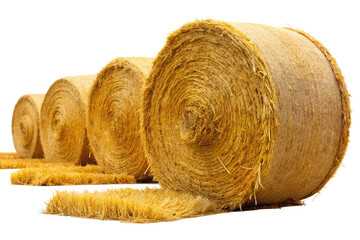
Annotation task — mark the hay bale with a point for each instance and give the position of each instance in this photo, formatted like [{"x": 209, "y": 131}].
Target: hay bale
[
  {"x": 25, "y": 126},
  {"x": 113, "y": 116},
  {"x": 63, "y": 116},
  {"x": 244, "y": 114}
]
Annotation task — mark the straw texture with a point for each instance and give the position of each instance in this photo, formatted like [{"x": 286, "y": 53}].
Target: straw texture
[
  {"x": 16, "y": 163},
  {"x": 8, "y": 155},
  {"x": 244, "y": 114},
  {"x": 26, "y": 125},
  {"x": 113, "y": 116},
  {"x": 53, "y": 175},
  {"x": 63, "y": 120},
  {"x": 130, "y": 205}
]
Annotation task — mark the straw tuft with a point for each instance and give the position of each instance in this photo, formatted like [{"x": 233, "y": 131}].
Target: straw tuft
[
  {"x": 17, "y": 163},
  {"x": 130, "y": 205},
  {"x": 53, "y": 175}
]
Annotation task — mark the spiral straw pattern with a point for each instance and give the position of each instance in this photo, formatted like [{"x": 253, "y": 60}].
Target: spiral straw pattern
[
  {"x": 26, "y": 126},
  {"x": 63, "y": 120},
  {"x": 244, "y": 114},
  {"x": 113, "y": 116}
]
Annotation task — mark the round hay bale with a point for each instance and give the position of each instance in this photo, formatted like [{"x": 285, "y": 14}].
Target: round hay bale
[
  {"x": 244, "y": 114},
  {"x": 63, "y": 120},
  {"x": 113, "y": 116},
  {"x": 25, "y": 126}
]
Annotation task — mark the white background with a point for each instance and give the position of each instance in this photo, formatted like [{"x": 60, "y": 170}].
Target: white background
[{"x": 41, "y": 41}]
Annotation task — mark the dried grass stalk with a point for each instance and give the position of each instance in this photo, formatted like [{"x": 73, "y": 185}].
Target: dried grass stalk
[
  {"x": 52, "y": 175},
  {"x": 25, "y": 126},
  {"x": 148, "y": 205},
  {"x": 63, "y": 120},
  {"x": 113, "y": 116},
  {"x": 244, "y": 114}
]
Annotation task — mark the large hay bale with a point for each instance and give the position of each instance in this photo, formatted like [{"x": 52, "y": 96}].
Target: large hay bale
[
  {"x": 113, "y": 116},
  {"x": 244, "y": 114},
  {"x": 25, "y": 126},
  {"x": 63, "y": 120}
]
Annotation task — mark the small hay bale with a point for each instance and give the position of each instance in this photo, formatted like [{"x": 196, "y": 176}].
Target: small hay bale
[
  {"x": 244, "y": 114},
  {"x": 113, "y": 116},
  {"x": 63, "y": 116},
  {"x": 25, "y": 126}
]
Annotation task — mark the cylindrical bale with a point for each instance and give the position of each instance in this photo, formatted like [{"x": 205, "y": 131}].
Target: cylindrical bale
[
  {"x": 244, "y": 114},
  {"x": 114, "y": 118},
  {"x": 25, "y": 126},
  {"x": 63, "y": 120}
]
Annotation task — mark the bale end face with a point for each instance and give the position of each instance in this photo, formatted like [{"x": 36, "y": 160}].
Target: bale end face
[
  {"x": 26, "y": 126},
  {"x": 113, "y": 116},
  {"x": 63, "y": 120}
]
